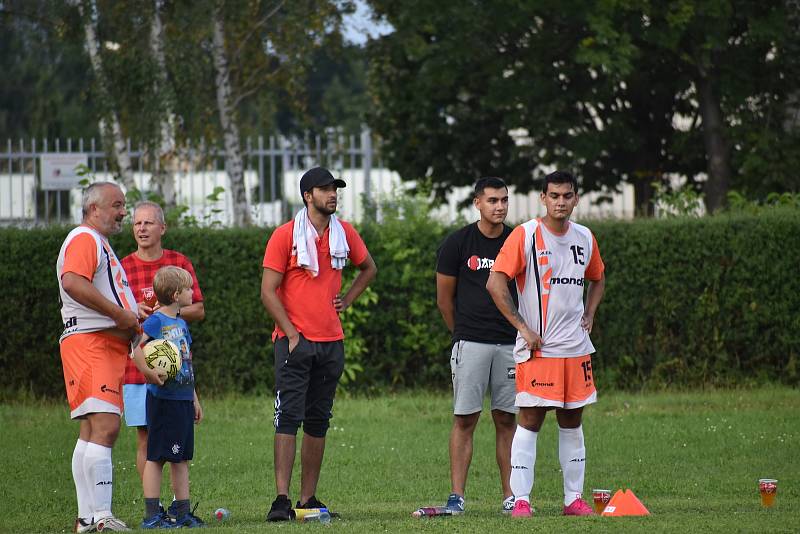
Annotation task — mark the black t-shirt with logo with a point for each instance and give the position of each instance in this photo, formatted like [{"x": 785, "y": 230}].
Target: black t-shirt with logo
[{"x": 469, "y": 255}]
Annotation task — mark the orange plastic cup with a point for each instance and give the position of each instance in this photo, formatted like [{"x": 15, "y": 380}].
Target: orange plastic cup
[{"x": 768, "y": 488}]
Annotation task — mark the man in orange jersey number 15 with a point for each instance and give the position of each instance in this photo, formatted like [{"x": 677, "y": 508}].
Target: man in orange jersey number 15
[
  {"x": 551, "y": 259},
  {"x": 100, "y": 320}
]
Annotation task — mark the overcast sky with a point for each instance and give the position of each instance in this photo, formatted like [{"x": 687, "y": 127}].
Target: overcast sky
[{"x": 359, "y": 26}]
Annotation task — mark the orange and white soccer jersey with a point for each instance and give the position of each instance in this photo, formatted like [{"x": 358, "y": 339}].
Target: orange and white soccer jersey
[
  {"x": 550, "y": 271},
  {"x": 93, "y": 360},
  {"x": 87, "y": 253}
]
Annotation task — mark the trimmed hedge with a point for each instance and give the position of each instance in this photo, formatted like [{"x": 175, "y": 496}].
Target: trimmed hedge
[
  {"x": 688, "y": 302},
  {"x": 700, "y": 301},
  {"x": 232, "y": 344}
]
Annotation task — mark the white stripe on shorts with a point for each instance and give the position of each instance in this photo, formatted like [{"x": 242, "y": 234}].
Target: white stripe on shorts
[
  {"x": 527, "y": 400},
  {"x": 94, "y": 405}
]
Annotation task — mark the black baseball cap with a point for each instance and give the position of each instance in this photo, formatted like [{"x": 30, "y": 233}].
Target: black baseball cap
[{"x": 318, "y": 177}]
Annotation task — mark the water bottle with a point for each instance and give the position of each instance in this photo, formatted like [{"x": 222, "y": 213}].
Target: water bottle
[
  {"x": 221, "y": 514},
  {"x": 307, "y": 515},
  {"x": 432, "y": 511}
]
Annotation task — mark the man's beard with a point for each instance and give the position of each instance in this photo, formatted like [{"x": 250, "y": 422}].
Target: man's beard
[{"x": 324, "y": 209}]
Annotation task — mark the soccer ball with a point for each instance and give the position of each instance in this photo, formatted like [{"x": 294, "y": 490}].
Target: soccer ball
[{"x": 164, "y": 354}]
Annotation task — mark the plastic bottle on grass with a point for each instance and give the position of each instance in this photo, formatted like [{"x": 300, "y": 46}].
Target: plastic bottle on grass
[
  {"x": 432, "y": 511},
  {"x": 307, "y": 515},
  {"x": 221, "y": 514}
]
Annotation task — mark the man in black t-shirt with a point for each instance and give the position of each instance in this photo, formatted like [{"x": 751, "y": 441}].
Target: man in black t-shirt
[{"x": 483, "y": 340}]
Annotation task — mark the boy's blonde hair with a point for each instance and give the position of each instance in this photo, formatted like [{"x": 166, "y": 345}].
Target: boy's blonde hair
[{"x": 168, "y": 281}]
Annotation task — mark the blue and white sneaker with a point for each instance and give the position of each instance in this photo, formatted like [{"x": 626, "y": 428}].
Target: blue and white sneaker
[
  {"x": 189, "y": 520},
  {"x": 455, "y": 503},
  {"x": 508, "y": 505},
  {"x": 159, "y": 520}
]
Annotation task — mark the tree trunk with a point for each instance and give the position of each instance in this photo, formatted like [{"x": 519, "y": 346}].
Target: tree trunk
[
  {"x": 110, "y": 128},
  {"x": 791, "y": 121},
  {"x": 643, "y": 196},
  {"x": 717, "y": 152},
  {"x": 165, "y": 164},
  {"x": 230, "y": 130}
]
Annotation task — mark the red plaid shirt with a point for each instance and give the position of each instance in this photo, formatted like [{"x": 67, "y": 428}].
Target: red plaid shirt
[{"x": 140, "y": 275}]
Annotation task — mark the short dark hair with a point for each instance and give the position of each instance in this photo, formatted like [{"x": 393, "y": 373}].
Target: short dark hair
[
  {"x": 488, "y": 181},
  {"x": 560, "y": 177}
]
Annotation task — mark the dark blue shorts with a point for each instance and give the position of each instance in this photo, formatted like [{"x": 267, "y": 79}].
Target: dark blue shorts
[{"x": 170, "y": 429}]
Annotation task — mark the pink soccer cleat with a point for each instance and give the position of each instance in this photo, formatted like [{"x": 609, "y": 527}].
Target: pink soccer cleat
[
  {"x": 578, "y": 507},
  {"x": 521, "y": 509}
]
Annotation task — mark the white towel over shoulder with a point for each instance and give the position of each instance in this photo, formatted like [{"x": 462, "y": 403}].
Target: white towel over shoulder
[{"x": 304, "y": 243}]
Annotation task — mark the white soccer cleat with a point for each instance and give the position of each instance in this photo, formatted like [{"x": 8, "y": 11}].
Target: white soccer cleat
[
  {"x": 84, "y": 526},
  {"x": 111, "y": 523}
]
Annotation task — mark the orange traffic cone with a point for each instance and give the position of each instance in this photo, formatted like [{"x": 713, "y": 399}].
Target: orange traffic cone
[
  {"x": 624, "y": 503},
  {"x": 613, "y": 504}
]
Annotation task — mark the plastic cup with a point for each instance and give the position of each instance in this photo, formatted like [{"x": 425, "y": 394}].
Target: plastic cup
[
  {"x": 768, "y": 488},
  {"x": 149, "y": 297},
  {"x": 600, "y": 498}
]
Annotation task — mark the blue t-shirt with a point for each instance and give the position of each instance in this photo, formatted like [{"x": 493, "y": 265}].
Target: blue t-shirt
[{"x": 160, "y": 326}]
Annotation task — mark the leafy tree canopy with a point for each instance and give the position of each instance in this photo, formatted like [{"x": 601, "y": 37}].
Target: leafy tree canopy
[{"x": 608, "y": 89}]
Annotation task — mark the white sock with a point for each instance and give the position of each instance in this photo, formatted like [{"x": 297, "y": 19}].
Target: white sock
[
  {"x": 81, "y": 487},
  {"x": 98, "y": 470},
  {"x": 572, "y": 454},
  {"x": 523, "y": 459}
]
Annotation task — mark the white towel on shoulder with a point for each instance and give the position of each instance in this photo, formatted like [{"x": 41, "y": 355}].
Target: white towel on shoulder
[{"x": 304, "y": 243}]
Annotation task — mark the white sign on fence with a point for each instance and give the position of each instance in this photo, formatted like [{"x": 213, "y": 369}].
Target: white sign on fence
[{"x": 59, "y": 170}]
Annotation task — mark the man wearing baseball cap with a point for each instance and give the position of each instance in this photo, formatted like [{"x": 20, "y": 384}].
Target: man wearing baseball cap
[
  {"x": 300, "y": 289},
  {"x": 318, "y": 177}
]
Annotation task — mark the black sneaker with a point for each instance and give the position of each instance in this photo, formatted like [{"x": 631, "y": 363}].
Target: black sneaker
[
  {"x": 313, "y": 502},
  {"x": 281, "y": 509}
]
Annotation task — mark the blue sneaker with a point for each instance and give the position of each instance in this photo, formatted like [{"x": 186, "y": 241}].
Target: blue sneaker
[
  {"x": 455, "y": 503},
  {"x": 159, "y": 520},
  {"x": 189, "y": 520}
]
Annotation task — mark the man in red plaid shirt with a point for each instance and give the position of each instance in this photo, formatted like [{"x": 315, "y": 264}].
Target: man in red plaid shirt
[{"x": 141, "y": 267}]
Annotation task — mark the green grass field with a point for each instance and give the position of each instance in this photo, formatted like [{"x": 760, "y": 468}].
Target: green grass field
[{"x": 693, "y": 459}]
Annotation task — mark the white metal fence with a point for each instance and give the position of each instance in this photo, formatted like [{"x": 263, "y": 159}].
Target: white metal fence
[{"x": 273, "y": 166}]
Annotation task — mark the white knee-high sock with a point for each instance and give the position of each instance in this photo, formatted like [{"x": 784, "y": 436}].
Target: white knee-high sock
[
  {"x": 523, "y": 459},
  {"x": 82, "y": 488},
  {"x": 98, "y": 470},
  {"x": 572, "y": 454}
]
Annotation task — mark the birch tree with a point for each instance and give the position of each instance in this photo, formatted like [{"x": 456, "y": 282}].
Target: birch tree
[
  {"x": 109, "y": 123},
  {"x": 227, "y": 117},
  {"x": 163, "y": 173},
  {"x": 262, "y": 52}
]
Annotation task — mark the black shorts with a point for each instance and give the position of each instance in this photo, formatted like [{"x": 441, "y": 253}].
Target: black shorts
[
  {"x": 305, "y": 384},
  {"x": 170, "y": 429}
]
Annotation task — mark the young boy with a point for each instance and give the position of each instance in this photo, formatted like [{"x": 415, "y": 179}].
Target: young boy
[{"x": 172, "y": 408}]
